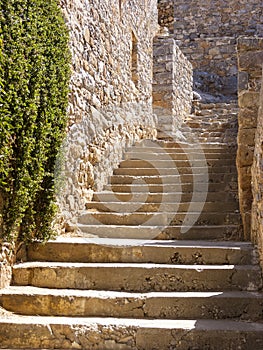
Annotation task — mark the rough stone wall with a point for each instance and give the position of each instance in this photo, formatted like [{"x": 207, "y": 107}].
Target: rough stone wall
[
  {"x": 250, "y": 59},
  {"x": 166, "y": 14},
  {"x": 6, "y": 261},
  {"x": 108, "y": 109},
  {"x": 206, "y": 31},
  {"x": 257, "y": 183},
  {"x": 172, "y": 84}
]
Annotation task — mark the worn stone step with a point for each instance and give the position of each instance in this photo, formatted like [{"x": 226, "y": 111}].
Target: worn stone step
[
  {"x": 137, "y": 277},
  {"x": 212, "y": 172},
  {"x": 213, "y": 130},
  {"x": 201, "y": 187},
  {"x": 207, "y": 121},
  {"x": 211, "y": 147},
  {"x": 175, "y": 154},
  {"x": 126, "y": 207},
  {"x": 159, "y": 218},
  {"x": 144, "y": 232},
  {"x": 213, "y": 106},
  {"x": 146, "y": 161},
  {"x": 208, "y": 147},
  {"x": 157, "y": 305},
  {"x": 215, "y": 115},
  {"x": 193, "y": 151},
  {"x": 208, "y": 126},
  {"x": 196, "y": 128},
  {"x": 196, "y": 158},
  {"x": 183, "y": 147},
  {"x": 171, "y": 197},
  {"x": 35, "y": 332},
  {"x": 76, "y": 249},
  {"x": 170, "y": 179},
  {"x": 223, "y": 138}
]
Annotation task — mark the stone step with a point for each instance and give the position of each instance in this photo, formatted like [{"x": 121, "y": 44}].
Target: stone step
[
  {"x": 212, "y": 132},
  {"x": 227, "y": 139},
  {"x": 208, "y": 126},
  {"x": 214, "y": 116},
  {"x": 213, "y": 135},
  {"x": 144, "y": 232},
  {"x": 76, "y": 249},
  {"x": 210, "y": 135},
  {"x": 159, "y": 218},
  {"x": 195, "y": 151},
  {"x": 171, "y": 197},
  {"x": 207, "y": 147},
  {"x": 35, "y": 332},
  {"x": 126, "y": 207},
  {"x": 147, "y": 162},
  {"x": 137, "y": 277},
  {"x": 158, "y": 305},
  {"x": 213, "y": 106},
  {"x": 181, "y": 158},
  {"x": 174, "y": 154},
  {"x": 170, "y": 179},
  {"x": 196, "y": 127},
  {"x": 152, "y": 171},
  {"x": 201, "y": 187},
  {"x": 224, "y": 138}
]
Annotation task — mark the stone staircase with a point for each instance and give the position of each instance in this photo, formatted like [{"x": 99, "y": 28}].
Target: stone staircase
[
  {"x": 162, "y": 186},
  {"x": 158, "y": 262},
  {"x": 213, "y": 122}
]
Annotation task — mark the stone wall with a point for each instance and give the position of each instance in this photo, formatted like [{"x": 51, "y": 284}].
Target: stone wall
[
  {"x": 257, "y": 183},
  {"x": 111, "y": 91},
  {"x": 6, "y": 261},
  {"x": 206, "y": 31},
  {"x": 250, "y": 59},
  {"x": 166, "y": 14},
  {"x": 172, "y": 85}
]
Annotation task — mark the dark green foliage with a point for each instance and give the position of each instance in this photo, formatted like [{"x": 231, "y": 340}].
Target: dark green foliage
[{"x": 34, "y": 78}]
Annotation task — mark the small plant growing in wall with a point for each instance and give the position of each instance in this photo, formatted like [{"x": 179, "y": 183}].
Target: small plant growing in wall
[{"x": 34, "y": 79}]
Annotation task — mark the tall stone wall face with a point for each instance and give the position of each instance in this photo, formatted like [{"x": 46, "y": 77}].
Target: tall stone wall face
[
  {"x": 257, "y": 183},
  {"x": 6, "y": 262},
  {"x": 172, "y": 85},
  {"x": 206, "y": 31},
  {"x": 250, "y": 60},
  {"x": 111, "y": 91}
]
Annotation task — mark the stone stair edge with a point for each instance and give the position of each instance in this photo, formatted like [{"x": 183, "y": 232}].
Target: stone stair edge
[
  {"x": 134, "y": 334},
  {"x": 124, "y": 265},
  {"x": 103, "y": 294},
  {"x": 227, "y": 325},
  {"x": 161, "y": 243}
]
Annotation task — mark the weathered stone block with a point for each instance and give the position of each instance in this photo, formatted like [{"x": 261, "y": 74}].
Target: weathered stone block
[
  {"x": 250, "y": 60},
  {"x": 242, "y": 81},
  {"x": 246, "y": 137},
  {"x": 245, "y": 155},
  {"x": 247, "y": 118},
  {"x": 248, "y": 99}
]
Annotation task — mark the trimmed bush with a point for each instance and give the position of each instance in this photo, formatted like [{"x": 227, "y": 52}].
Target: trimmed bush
[{"x": 34, "y": 80}]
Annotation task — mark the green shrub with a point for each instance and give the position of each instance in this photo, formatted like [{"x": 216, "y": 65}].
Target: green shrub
[{"x": 34, "y": 79}]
